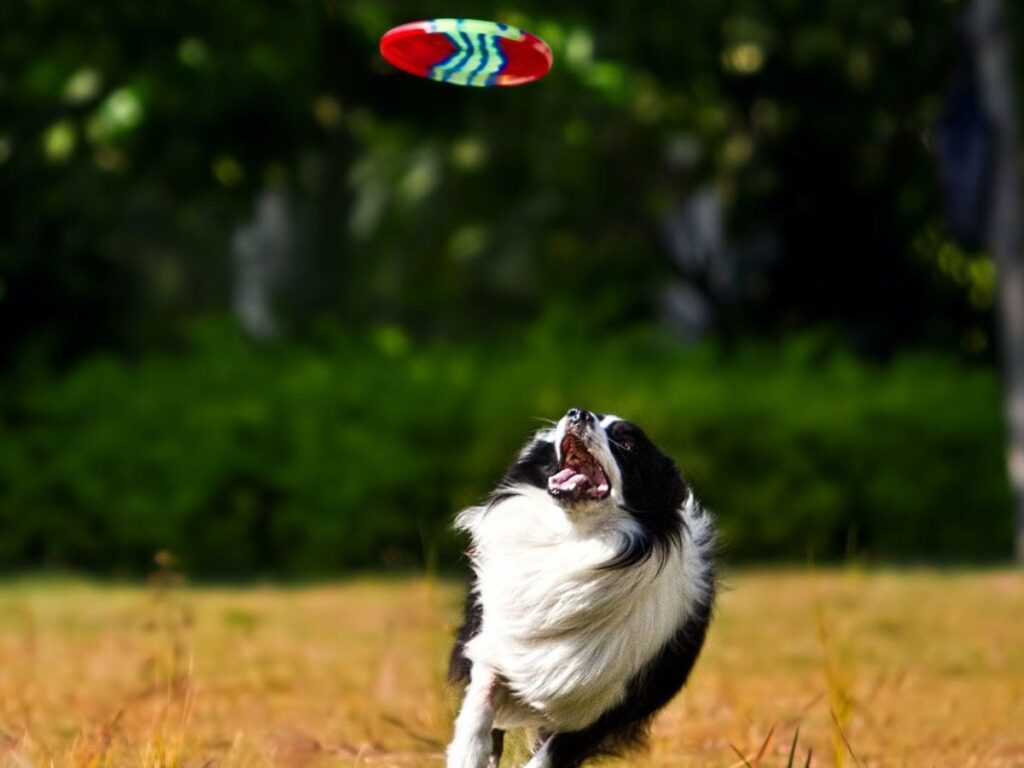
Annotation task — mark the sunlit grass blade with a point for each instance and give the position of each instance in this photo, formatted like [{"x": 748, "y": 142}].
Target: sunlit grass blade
[
  {"x": 764, "y": 746},
  {"x": 792, "y": 749},
  {"x": 743, "y": 760},
  {"x": 846, "y": 741}
]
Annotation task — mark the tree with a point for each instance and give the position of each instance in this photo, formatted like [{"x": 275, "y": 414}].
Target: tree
[{"x": 988, "y": 32}]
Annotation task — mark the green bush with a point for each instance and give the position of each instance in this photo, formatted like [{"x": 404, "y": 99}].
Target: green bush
[{"x": 354, "y": 452}]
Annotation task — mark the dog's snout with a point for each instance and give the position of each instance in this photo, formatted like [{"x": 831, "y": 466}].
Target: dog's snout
[{"x": 578, "y": 416}]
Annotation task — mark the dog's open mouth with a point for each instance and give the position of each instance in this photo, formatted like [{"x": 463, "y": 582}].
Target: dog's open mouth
[{"x": 580, "y": 476}]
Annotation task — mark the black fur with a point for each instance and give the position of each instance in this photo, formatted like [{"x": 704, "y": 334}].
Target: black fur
[
  {"x": 653, "y": 491},
  {"x": 533, "y": 467},
  {"x": 625, "y": 726},
  {"x": 652, "y": 484},
  {"x": 473, "y": 612}
]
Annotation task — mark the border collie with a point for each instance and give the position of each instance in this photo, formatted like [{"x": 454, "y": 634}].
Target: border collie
[{"x": 592, "y": 592}]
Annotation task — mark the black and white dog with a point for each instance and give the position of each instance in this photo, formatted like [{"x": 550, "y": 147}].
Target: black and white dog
[{"x": 592, "y": 594}]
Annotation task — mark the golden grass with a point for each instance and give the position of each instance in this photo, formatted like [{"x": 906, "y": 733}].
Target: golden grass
[{"x": 914, "y": 669}]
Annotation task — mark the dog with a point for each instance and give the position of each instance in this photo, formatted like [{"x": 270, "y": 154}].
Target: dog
[{"x": 592, "y": 590}]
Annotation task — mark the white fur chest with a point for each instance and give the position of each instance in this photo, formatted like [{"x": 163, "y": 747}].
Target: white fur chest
[{"x": 564, "y": 635}]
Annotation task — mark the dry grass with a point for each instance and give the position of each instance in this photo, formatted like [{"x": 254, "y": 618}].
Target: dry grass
[{"x": 912, "y": 669}]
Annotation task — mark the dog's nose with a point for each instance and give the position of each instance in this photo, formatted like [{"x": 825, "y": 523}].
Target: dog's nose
[{"x": 578, "y": 415}]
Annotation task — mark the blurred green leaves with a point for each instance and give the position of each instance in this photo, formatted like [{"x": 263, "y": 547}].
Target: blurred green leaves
[
  {"x": 83, "y": 85},
  {"x": 59, "y": 141},
  {"x": 159, "y": 124},
  {"x": 149, "y": 129}
]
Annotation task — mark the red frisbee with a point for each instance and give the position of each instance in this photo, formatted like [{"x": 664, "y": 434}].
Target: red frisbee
[{"x": 467, "y": 52}]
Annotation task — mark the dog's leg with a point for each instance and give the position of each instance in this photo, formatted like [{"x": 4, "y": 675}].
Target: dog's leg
[
  {"x": 473, "y": 744},
  {"x": 541, "y": 756},
  {"x": 536, "y": 739},
  {"x": 563, "y": 750},
  {"x": 497, "y": 747},
  {"x": 569, "y": 750}
]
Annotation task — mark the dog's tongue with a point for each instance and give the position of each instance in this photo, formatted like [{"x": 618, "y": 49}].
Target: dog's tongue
[{"x": 568, "y": 480}]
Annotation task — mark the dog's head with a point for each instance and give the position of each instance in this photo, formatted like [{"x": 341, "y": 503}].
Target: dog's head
[
  {"x": 591, "y": 463},
  {"x": 605, "y": 459},
  {"x": 605, "y": 475}
]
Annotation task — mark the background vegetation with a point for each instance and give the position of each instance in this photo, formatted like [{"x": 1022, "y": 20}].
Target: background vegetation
[
  {"x": 454, "y": 263},
  {"x": 274, "y": 460}
]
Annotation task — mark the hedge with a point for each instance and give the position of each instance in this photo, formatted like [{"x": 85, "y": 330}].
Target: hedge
[{"x": 354, "y": 451}]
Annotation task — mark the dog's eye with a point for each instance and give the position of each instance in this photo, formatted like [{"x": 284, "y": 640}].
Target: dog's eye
[{"x": 625, "y": 443}]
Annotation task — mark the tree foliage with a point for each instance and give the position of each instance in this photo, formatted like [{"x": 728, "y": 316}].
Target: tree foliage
[{"x": 134, "y": 137}]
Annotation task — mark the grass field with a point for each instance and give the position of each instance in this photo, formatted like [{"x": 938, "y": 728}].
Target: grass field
[{"x": 889, "y": 668}]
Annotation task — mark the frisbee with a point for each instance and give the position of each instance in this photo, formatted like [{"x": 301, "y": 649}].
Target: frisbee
[{"x": 467, "y": 52}]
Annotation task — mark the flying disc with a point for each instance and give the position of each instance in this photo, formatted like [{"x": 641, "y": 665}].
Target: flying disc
[{"x": 467, "y": 52}]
